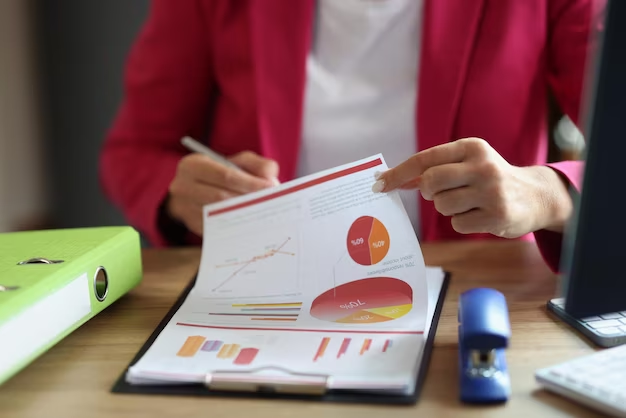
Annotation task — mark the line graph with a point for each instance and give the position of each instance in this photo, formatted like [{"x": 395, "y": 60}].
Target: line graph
[
  {"x": 269, "y": 253},
  {"x": 255, "y": 265},
  {"x": 244, "y": 264}
]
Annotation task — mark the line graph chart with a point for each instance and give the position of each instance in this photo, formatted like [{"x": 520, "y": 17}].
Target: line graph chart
[
  {"x": 254, "y": 259},
  {"x": 263, "y": 265}
]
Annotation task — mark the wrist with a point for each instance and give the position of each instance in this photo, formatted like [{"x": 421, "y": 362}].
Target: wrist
[
  {"x": 171, "y": 228},
  {"x": 556, "y": 206}
]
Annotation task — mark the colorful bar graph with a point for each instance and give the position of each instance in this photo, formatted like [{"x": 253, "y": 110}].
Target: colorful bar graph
[
  {"x": 270, "y": 309},
  {"x": 255, "y": 314},
  {"x": 288, "y": 311},
  {"x": 365, "y": 346},
  {"x": 274, "y": 319},
  {"x": 191, "y": 346},
  {"x": 387, "y": 345},
  {"x": 267, "y": 305},
  {"x": 344, "y": 347},
  {"x": 322, "y": 348},
  {"x": 211, "y": 345},
  {"x": 228, "y": 351},
  {"x": 246, "y": 356}
]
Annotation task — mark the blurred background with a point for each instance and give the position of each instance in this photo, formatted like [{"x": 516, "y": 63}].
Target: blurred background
[{"x": 61, "y": 64}]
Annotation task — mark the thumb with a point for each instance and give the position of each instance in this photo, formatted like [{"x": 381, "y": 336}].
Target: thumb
[{"x": 257, "y": 165}]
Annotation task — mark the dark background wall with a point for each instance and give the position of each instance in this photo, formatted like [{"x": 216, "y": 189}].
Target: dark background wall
[{"x": 81, "y": 49}]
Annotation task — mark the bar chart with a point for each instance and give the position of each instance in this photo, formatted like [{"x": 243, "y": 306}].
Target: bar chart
[
  {"x": 351, "y": 348},
  {"x": 211, "y": 346},
  {"x": 191, "y": 346},
  {"x": 228, "y": 351},
  {"x": 366, "y": 346},
  {"x": 199, "y": 344},
  {"x": 278, "y": 312},
  {"x": 344, "y": 347},
  {"x": 321, "y": 349}
]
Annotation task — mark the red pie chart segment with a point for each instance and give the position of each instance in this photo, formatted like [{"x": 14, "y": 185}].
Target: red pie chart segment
[
  {"x": 376, "y": 299},
  {"x": 368, "y": 241},
  {"x": 358, "y": 240}
]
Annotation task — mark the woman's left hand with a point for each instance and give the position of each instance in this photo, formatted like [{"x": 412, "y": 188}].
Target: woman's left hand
[{"x": 469, "y": 181}]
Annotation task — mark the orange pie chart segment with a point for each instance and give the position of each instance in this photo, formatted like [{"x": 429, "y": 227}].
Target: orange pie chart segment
[
  {"x": 378, "y": 241},
  {"x": 368, "y": 241}
]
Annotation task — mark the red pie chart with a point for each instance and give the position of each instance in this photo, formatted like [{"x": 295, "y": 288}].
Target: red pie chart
[
  {"x": 368, "y": 241},
  {"x": 365, "y": 301}
]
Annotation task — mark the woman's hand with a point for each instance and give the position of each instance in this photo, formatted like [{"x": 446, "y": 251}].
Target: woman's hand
[
  {"x": 470, "y": 182},
  {"x": 200, "y": 180}
]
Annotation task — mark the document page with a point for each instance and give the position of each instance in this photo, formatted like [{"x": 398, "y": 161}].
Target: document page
[{"x": 291, "y": 274}]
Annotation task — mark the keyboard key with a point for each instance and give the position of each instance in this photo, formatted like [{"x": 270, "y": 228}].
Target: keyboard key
[
  {"x": 623, "y": 329},
  {"x": 614, "y": 315},
  {"x": 610, "y": 331},
  {"x": 605, "y": 323},
  {"x": 623, "y": 320},
  {"x": 591, "y": 319}
]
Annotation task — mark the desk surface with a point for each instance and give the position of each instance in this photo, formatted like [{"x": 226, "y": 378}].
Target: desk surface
[{"x": 74, "y": 378}]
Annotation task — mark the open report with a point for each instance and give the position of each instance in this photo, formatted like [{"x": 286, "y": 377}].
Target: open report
[{"x": 316, "y": 280}]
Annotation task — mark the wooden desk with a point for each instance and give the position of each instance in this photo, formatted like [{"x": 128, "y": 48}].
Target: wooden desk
[{"x": 74, "y": 378}]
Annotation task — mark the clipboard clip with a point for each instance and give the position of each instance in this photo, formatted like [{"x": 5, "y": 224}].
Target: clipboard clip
[{"x": 267, "y": 380}]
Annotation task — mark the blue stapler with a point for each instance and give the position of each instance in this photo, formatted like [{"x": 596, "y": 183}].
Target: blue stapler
[{"x": 484, "y": 332}]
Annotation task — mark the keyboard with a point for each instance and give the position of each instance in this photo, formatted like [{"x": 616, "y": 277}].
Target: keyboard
[
  {"x": 606, "y": 330},
  {"x": 597, "y": 380}
]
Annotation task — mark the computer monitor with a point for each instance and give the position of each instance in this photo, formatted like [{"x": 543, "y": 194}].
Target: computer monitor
[{"x": 594, "y": 250}]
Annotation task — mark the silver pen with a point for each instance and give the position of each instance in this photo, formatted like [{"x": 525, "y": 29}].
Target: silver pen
[{"x": 195, "y": 146}]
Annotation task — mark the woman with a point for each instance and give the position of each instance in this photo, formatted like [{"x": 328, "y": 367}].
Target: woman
[{"x": 285, "y": 88}]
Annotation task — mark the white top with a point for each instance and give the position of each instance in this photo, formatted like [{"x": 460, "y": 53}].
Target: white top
[{"x": 361, "y": 86}]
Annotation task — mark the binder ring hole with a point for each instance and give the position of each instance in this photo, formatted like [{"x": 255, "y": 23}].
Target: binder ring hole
[
  {"x": 100, "y": 283},
  {"x": 39, "y": 260}
]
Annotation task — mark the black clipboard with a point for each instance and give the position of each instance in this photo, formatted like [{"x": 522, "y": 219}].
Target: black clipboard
[{"x": 347, "y": 396}]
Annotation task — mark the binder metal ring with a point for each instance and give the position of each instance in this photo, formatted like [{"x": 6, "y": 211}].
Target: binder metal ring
[
  {"x": 100, "y": 283},
  {"x": 39, "y": 260}
]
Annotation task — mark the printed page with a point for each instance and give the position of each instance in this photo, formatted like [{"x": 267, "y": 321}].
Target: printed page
[
  {"x": 323, "y": 252},
  {"x": 319, "y": 275},
  {"x": 381, "y": 361}
]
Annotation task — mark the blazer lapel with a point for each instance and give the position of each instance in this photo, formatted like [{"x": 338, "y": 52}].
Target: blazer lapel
[
  {"x": 449, "y": 32},
  {"x": 281, "y": 37}
]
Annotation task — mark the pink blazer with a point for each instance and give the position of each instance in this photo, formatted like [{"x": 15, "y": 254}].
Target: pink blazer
[{"x": 233, "y": 73}]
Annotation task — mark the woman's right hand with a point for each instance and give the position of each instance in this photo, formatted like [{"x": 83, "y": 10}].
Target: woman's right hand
[{"x": 200, "y": 180}]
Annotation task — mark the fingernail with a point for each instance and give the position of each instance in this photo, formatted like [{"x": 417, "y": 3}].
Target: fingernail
[
  {"x": 378, "y": 174},
  {"x": 275, "y": 181},
  {"x": 379, "y": 186}
]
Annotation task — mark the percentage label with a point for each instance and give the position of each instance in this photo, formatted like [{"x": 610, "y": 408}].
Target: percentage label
[
  {"x": 352, "y": 305},
  {"x": 363, "y": 318},
  {"x": 357, "y": 241},
  {"x": 378, "y": 244}
]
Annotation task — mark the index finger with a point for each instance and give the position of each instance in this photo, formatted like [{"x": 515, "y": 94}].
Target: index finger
[
  {"x": 237, "y": 181},
  {"x": 414, "y": 166}
]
